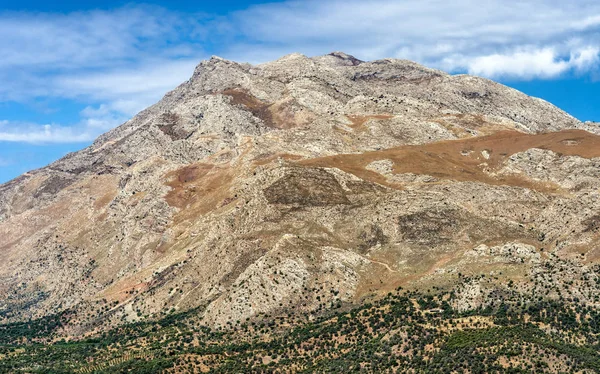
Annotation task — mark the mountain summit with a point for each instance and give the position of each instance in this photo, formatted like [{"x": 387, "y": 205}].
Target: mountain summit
[{"x": 300, "y": 185}]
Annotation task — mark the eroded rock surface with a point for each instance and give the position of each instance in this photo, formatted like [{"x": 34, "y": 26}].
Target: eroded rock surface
[{"x": 298, "y": 184}]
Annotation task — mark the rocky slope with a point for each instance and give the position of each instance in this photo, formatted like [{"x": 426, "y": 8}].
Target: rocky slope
[{"x": 301, "y": 183}]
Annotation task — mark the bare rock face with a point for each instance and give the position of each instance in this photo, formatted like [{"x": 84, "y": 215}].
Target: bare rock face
[{"x": 299, "y": 184}]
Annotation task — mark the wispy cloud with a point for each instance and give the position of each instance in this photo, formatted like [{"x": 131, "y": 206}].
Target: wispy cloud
[
  {"x": 4, "y": 162},
  {"x": 494, "y": 38},
  {"x": 94, "y": 122},
  {"x": 128, "y": 90},
  {"x": 95, "y": 38},
  {"x": 119, "y": 61},
  {"x": 541, "y": 63}
]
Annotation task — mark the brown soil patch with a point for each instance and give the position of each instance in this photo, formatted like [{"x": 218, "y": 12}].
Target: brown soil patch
[
  {"x": 462, "y": 159},
  {"x": 268, "y": 158},
  {"x": 104, "y": 200},
  {"x": 275, "y": 115},
  {"x": 358, "y": 122},
  {"x": 103, "y": 188},
  {"x": 198, "y": 189},
  {"x": 254, "y": 105},
  {"x": 124, "y": 290}
]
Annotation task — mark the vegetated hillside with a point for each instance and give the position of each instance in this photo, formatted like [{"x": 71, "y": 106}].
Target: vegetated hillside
[
  {"x": 404, "y": 332},
  {"x": 296, "y": 186}
]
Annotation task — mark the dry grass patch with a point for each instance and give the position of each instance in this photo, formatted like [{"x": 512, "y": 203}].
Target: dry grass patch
[{"x": 473, "y": 159}]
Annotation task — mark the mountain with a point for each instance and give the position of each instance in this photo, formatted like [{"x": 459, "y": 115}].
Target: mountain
[{"x": 305, "y": 184}]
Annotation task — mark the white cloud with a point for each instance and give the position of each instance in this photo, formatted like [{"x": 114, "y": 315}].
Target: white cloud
[
  {"x": 93, "y": 123},
  {"x": 128, "y": 51},
  {"x": 525, "y": 39},
  {"x": 93, "y": 38},
  {"x": 118, "y": 62},
  {"x": 526, "y": 64},
  {"x": 586, "y": 58},
  {"x": 128, "y": 90},
  {"x": 41, "y": 134}
]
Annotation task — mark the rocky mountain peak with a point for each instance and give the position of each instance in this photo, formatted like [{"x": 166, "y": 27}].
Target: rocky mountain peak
[
  {"x": 346, "y": 58},
  {"x": 295, "y": 185}
]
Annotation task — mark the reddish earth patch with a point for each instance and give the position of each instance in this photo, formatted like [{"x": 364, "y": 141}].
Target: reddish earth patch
[
  {"x": 254, "y": 105},
  {"x": 198, "y": 189},
  {"x": 462, "y": 159},
  {"x": 275, "y": 115},
  {"x": 125, "y": 290}
]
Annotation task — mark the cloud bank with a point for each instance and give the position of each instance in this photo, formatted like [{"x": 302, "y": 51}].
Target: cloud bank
[
  {"x": 114, "y": 63},
  {"x": 494, "y": 38}
]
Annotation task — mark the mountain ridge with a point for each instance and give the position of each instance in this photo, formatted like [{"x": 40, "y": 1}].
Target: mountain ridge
[{"x": 223, "y": 195}]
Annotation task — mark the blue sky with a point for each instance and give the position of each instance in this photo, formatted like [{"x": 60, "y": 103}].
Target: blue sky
[{"x": 71, "y": 70}]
